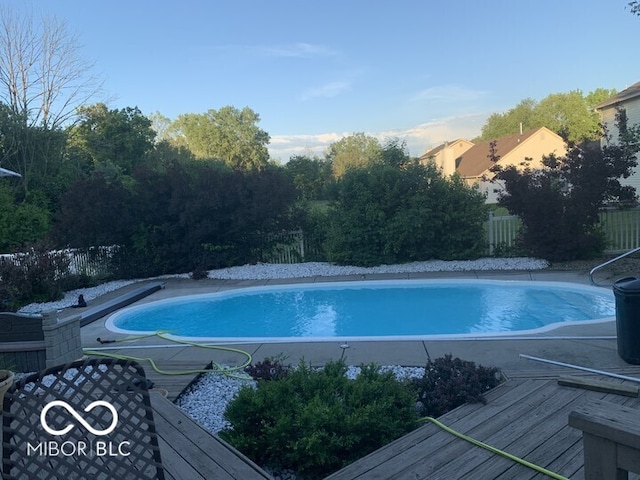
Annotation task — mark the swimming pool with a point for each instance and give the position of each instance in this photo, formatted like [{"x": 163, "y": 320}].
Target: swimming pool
[{"x": 393, "y": 309}]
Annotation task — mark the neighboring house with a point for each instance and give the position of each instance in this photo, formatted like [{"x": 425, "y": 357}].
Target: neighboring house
[
  {"x": 522, "y": 150},
  {"x": 629, "y": 100},
  {"x": 444, "y": 155}
]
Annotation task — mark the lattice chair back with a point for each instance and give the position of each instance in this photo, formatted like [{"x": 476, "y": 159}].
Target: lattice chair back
[{"x": 90, "y": 419}]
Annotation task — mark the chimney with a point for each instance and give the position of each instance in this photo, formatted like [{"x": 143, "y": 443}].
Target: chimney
[{"x": 520, "y": 128}]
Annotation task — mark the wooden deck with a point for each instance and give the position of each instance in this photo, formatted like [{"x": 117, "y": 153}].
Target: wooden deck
[
  {"x": 189, "y": 452},
  {"x": 527, "y": 418}
]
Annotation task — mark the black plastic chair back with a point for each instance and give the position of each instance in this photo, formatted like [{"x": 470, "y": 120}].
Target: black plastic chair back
[{"x": 90, "y": 419}]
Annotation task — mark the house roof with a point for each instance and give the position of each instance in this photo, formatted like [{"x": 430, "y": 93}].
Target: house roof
[
  {"x": 626, "y": 94},
  {"x": 475, "y": 161},
  {"x": 439, "y": 148}
]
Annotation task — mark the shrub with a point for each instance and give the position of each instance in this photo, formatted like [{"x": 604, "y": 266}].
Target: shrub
[
  {"x": 388, "y": 214},
  {"x": 33, "y": 276},
  {"x": 450, "y": 382},
  {"x": 559, "y": 203},
  {"x": 315, "y": 422},
  {"x": 268, "y": 369},
  {"x": 199, "y": 273}
]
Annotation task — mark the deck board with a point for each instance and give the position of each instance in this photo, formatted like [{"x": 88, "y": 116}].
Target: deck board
[
  {"x": 189, "y": 452},
  {"x": 525, "y": 417}
]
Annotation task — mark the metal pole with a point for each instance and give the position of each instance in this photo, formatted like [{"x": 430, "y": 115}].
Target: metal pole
[{"x": 585, "y": 369}]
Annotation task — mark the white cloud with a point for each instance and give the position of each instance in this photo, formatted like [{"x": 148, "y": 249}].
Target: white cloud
[
  {"x": 430, "y": 134},
  {"x": 283, "y": 147},
  {"x": 449, "y": 93},
  {"x": 298, "y": 50},
  {"x": 328, "y": 90},
  {"x": 418, "y": 138}
]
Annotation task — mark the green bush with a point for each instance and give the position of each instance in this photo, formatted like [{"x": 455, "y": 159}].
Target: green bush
[
  {"x": 387, "y": 214},
  {"x": 33, "y": 276},
  {"x": 450, "y": 382},
  {"x": 315, "y": 422}
]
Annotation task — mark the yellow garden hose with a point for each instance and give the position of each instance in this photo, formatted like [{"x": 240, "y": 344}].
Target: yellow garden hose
[
  {"x": 229, "y": 371},
  {"x": 480, "y": 444}
]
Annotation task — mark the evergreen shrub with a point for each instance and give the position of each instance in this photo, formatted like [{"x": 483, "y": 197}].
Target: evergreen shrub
[{"x": 316, "y": 421}]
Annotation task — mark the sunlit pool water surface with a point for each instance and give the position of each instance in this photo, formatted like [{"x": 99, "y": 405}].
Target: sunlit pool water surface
[{"x": 401, "y": 308}]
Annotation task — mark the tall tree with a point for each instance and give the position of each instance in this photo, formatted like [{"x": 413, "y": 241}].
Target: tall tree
[
  {"x": 111, "y": 139},
  {"x": 355, "y": 151},
  {"x": 570, "y": 115},
  {"x": 311, "y": 176},
  {"x": 42, "y": 75},
  {"x": 395, "y": 153},
  {"x": 228, "y": 134},
  {"x": 635, "y": 7},
  {"x": 43, "y": 79},
  {"x": 502, "y": 124}
]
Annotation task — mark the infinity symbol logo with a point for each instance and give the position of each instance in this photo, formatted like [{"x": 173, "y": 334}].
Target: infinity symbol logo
[{"x": 69, "y": 408}]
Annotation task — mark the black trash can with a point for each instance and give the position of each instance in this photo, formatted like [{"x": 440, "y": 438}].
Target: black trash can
[{"x": 627, "y": 293}]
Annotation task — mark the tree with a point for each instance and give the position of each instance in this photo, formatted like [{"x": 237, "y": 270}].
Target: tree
[
  {"x": 634, "y": 7},
  {"x": 395, "y": 153},
  {"x": 162, "y": 126},
  {"x": 355, "y": 151},
  {"x": 42, "y": 75},
  {"x": 502, "y": 124},
  {"x": 311, "y": 176},
  {"x": 95, "y": 211},
  {"x": 229, "y": 134},
  {"x": 559, "y": 204},
  {"x": 570, "y": 115},
  {"x": 33, "y": 151},
  {"x": 111, "y": 139},
  {"x": 43, "y": 80},
  {"x": 20, "y": 223}
]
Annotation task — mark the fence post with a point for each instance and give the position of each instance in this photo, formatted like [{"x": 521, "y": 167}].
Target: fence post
[
  {"x": 301, "y": 236},
  {"x": 491, "y": 239}
]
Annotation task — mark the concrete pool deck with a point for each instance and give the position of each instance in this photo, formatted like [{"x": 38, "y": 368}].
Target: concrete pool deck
[{"x": 592, "y": 345}]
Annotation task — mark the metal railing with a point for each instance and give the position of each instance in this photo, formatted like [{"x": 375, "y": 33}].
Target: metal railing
[{"x": 609, "y": 262}]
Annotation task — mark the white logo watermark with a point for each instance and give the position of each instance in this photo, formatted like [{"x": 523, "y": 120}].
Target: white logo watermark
[
  {"x": 80, "y": 448},
  {"x": 72, "y": 411}
]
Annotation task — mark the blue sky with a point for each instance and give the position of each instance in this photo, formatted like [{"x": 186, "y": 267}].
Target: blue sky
[{"x": 423, "y": 71}]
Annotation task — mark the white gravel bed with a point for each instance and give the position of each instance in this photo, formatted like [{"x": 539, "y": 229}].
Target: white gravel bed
[
  {"x": 208, "y": 398},
  {"x": 71, "y": 297},
  {"x": 265, "y": 271}
]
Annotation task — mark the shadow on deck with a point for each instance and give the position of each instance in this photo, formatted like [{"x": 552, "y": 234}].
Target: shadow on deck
[
  {"x": 190, "y": 452},
  {"x": 527, "y": 418}
]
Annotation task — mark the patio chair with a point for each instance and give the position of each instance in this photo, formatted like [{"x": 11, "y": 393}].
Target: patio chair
[{"x": 90, "y": 419}]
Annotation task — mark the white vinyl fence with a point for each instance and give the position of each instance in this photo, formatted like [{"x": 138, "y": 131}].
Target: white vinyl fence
[
  {"x": 622, "y": 228},
  {"x": 502, "y": 231}
]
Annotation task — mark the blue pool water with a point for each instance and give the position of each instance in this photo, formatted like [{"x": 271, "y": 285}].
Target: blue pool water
[{"x": 406, "y": 308}]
